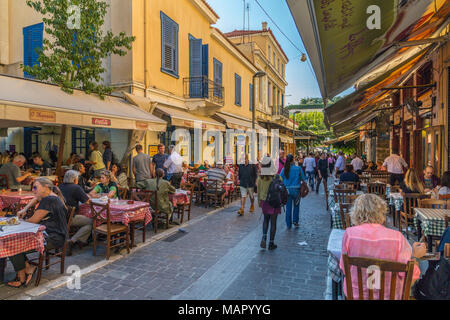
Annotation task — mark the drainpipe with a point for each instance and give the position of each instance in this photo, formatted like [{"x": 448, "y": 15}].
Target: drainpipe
[{"x": 145, "y": 49}]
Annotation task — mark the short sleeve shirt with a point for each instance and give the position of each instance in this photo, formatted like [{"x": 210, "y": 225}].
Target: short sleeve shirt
[
  {"x": 13, "y": 173},
  {"x": 142, "y": 164},
  {"x": 73, "y": 194},
  {"x": 107, "y": 156},
  {"x": 55, "y": 221},
  {"x": 159, "y": 159},
  {"x": 101, "y": 188},
  {"x": 97, "y": 157}
]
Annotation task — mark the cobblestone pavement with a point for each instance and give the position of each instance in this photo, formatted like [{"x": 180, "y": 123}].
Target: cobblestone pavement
[{"x": 219, "y": 258}]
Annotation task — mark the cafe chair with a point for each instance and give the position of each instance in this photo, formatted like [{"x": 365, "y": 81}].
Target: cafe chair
[
  {"x": 114, "y": 232},
  {"x": 343, "y": 195},
  {"x": 4, "y": 183},
  {"x": 185, "y": 207},
  {"x": 143, "y": 196},
  {"x": 406, "y": 218},
  {"x": 212, "y": 192},
  {"x": 377, "y": 188},
  {"x": 54, "y": 252},
  {"x": 444, "y": 197},
  {"x": 344, "y": 211},
  {"x": 384, "y": 266},
  {"x": 350, "y": 185}
]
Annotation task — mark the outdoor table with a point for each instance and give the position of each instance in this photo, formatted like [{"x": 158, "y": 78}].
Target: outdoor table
[
  {"x": 431, "y": 221},
  {"x": 9, "y": 198},
  {"x": 122, "y": 212},
  {"x": 334, "y": 249},
  {"x": 180, "y": 197}
]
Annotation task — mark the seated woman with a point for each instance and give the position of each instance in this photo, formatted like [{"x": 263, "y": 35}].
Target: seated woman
[
  {"x": 163, "y": 188},
  {"x": 349, "y": 175},
  {"x": 106, "y": 186},
  {"x": 118, "y": 176},
  {"x": 412, "y": 183},
  {"x": 52, "y": 213},
  {"x": 372, "y": 166},
  {"x": 370, "y": 239},
  {"x": 444, "y": 188},
  {"x": 230, "y": 176}
]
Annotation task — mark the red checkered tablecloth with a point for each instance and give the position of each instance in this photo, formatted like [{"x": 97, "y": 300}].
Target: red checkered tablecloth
[
  {"x": 22, "y": 242},
  {"x": 179, "y": 198},
  {"x": 122, "y": 212},
  {"x": 10, "y": 198}
]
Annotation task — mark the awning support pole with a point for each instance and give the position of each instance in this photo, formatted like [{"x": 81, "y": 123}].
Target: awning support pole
[{"x": 62, "y": 139}]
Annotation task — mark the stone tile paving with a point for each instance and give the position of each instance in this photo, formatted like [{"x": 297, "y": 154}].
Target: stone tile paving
[{"x": 219, "y": 258}]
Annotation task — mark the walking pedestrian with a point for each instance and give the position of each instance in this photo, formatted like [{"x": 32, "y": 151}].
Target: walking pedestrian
[
  {"x": 96, "y": 159},
  {"x": 395, "y": 164},
  {"x": 281, "y": 161},
  {"x": 331, "y": 162},
  {"x": 158, "y": 160},
  {"x": 293, "y": 176},
  {"x": 141, "y": 166},
  {"x": 107, "y": 155},
  {"x": 310, "y": 164},
  {"x": 247, "y": 177},
  {"x": 323, "y": 172},
  {"x": 268, "y": 174}
]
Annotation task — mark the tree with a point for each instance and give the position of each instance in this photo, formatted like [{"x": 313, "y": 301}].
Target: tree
[
  {"x": 72, "y": 55},
  {"x": 314, "y": 122}
]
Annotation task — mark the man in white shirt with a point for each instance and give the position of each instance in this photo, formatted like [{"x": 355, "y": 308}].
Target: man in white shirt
[
  {"x": 395, "y": 164},
  {"x": 174, "y": 166},
  {"x": 310, "y": 164},
  {"x": 340, "y": 164},
  {"x": 357, "y": 164}
]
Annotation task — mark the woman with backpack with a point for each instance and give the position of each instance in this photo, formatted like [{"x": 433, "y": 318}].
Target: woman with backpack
[
  {"x": 268, "y": 174},
  {"x": 293, "y": 177}
]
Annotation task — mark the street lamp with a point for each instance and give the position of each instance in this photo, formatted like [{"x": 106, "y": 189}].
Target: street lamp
[{"x": 258, "y": 74}]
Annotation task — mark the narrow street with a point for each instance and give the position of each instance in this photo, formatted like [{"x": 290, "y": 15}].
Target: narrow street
[{"x": 219, "y": 258}]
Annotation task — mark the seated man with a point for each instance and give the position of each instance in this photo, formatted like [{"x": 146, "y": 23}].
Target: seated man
[
  {"x": 349, "y": 175},
  {"x": 163, "y": 188},
  {"x": 12, "y": 170},
  {"x": 40, "y": 164},
  {"x": 74, "y": 194},
  {"x": 429, "y": 180},
  {"x": 218, "y": 174}
]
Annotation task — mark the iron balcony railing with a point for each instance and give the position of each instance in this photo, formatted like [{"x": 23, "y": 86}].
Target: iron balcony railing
[
  {"x": 280, "y": 111},
  {"x": 203, "y": 88}
]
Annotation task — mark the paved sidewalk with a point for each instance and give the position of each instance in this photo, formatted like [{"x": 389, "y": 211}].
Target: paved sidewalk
[{"x": 219, "y": 258}]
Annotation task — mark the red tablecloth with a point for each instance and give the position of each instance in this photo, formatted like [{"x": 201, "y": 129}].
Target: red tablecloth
[
  {"x": 21, "y": 242},
  {"x": 179, "y": 198},
  {"x": 122, "y": 212},
  {"x": 9, "y": 198}
]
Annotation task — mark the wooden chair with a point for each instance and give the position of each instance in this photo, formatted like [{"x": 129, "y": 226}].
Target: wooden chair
[
  {"x": 395, "y": 189},
  {"x": 4, "y": 183},
  {"x": 212, "y": 191},
  {"x": 113, "y": 231},
  {"x": 432, "y": 204},
  {"x": 54, "y": 252},
  {"x": 185, "y": 207},
  {"x": 342, "y": 195},
  {"x": 345, "y": 214},
  {"x": 384, "y": 266},
  {"x": 143, "y": 196},
  {"x": 447, "y": 250},
  {"x": 351, "y": 185},
  {"x": 377, "y": 188},
  {"x": 198, "y": 188},
  {"x": 444, "y": 197},
  {"x": 410, "y": 201}
]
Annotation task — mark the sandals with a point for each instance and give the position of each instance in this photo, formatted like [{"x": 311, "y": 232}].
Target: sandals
[
  {"x": 22, "y": 284},
  {"x": 28, "y": 280}
]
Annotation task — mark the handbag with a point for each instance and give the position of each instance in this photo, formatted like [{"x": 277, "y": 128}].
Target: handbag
[{"x": 304, "y": 190}]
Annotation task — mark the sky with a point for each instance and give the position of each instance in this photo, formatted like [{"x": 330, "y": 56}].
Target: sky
[{"x": 302, "y": 81}]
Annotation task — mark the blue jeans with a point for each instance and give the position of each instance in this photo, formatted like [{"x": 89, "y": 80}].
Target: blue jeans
[
  {"x": 310, "y": 177},
  {"x": 291, "y": 205}
]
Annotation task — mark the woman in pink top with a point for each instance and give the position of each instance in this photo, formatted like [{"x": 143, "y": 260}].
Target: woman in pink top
[{"x": 370, "y": 239}]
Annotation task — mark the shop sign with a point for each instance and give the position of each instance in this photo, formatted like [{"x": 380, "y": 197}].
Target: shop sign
[
  {"x": 42, "y": 115},
  {"x": 141, "y": 125},
  {"x": 101, "y": 122},
  {"x": 152, "y": 150}
]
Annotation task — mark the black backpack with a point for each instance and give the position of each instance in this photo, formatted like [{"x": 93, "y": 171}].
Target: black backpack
[
  {"x": 277, "y": 195},
  {"x": 435, "y": 284}
]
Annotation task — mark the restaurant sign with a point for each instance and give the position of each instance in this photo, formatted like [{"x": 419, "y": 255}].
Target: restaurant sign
[
  {"x": 141, "y": 125},
  {"x": 42, "y": 115},
  {"x": 101, "y": 122}
]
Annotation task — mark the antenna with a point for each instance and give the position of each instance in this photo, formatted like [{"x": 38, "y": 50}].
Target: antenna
[
  {"x": 243, "y": 25},
  {"x": 248, "y": 20}
]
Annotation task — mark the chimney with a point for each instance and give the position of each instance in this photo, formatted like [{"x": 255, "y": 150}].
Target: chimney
[{"x": 264, "y": 26}]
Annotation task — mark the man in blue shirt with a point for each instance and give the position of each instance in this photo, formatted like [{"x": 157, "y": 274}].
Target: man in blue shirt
[
  {"x": 310, "y": 164},
  {"x": 340, "y": 163}
]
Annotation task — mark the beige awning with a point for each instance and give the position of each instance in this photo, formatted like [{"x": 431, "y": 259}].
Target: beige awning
[
  {"x": 237, "y": 123},
  {"x": 182, "y": 118},
  {"x": 285, "y": 138},
  {"x": 26, "y": 102},
  {"x": 348, "y": 137}
]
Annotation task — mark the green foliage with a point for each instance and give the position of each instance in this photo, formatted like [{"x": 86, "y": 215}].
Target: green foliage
[
  {"x": 72, "y": 58},
  {"x": 313, "y": 122},
  {"x": 318, "y": 101}
]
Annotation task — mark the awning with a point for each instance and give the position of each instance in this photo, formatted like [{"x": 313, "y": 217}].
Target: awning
[
  {"x": 237, "y": 123},
  {"x": 341, "y": 47},
  {"x": 356, "y": 106},
  {"x": 346, "y": 138},
  {"x": 27, "y": 102},
  {"x": 285, "y": 138},
  {"x": 182, "y": 118}
]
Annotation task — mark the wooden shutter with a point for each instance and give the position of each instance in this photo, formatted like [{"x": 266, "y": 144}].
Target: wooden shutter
[
  {"x": 237, "y": 82},
  {"x": 169, "y": 47},
  {"x": 32, "y": 39},
  {"x": 250, "y": 93},
  {"x": 195, "y": 67}
]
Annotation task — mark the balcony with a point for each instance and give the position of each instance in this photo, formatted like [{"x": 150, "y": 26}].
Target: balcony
[
  {"x": 280, "y": 113},
  {"x": 203, "y": 96}
]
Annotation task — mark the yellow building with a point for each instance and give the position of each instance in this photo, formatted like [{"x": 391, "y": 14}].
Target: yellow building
[{"x": 263, "y": 49}]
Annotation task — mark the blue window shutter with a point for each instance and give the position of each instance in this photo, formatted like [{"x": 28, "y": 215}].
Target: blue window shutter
[
  {"x": 239, "y": 90},
  {"x": 195, "y": 68},
  {"x": 169, "y": 45},
  {"x": 217, "y": 78},
  {"x": 205, "y": 70},
  {"x": 250, "y": 93},
  {"x": 32, "y": 40},
  {"x": 235, "y": 89}
]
